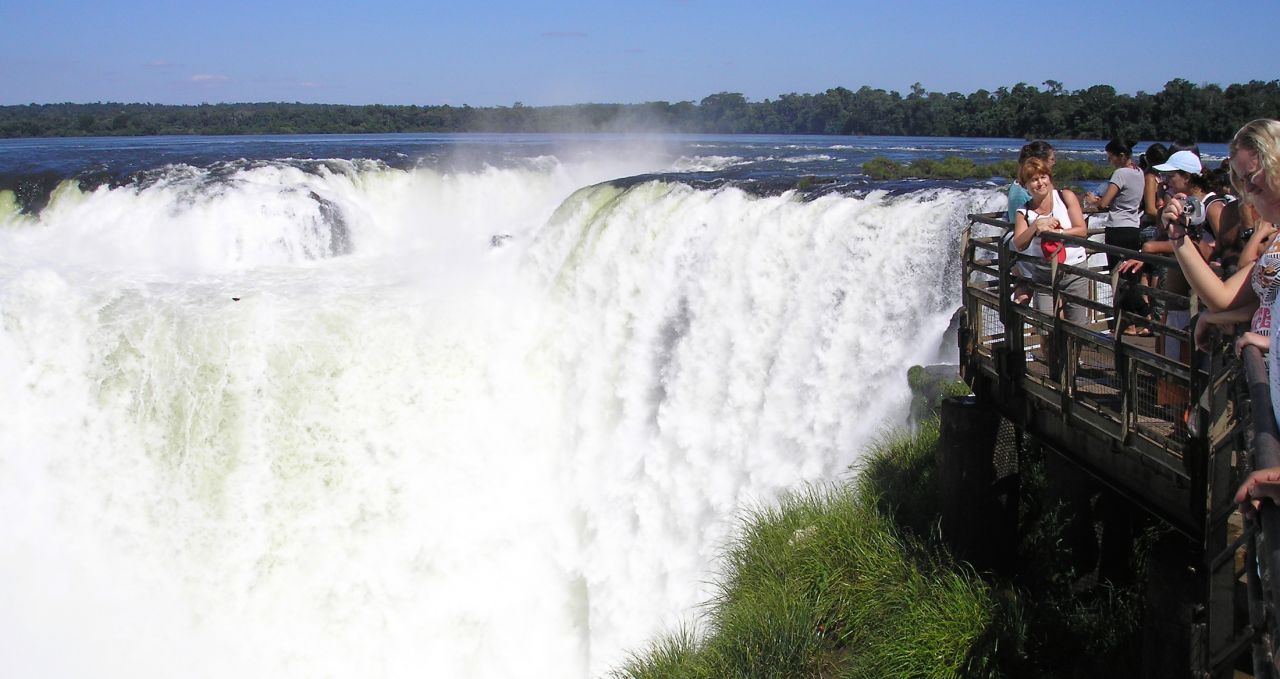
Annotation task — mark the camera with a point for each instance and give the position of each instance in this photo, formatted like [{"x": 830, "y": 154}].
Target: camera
[
  {"x": 1192, "y": 211},
  {"x": 1193, "y": 215}
]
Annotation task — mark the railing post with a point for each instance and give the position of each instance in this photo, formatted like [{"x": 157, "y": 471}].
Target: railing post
[
  {"x": 1006, "y": 273},
  {"x": 1120, "y": 356},
  {"x": 1265, "y": 545},
  {"x": 1057, "y": 340},
  {"x": 1009, "y": 316},
  {"x": 1116, "y": 311}
]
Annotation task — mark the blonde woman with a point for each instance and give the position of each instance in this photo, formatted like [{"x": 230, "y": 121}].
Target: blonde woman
[
  {"x": 1251, "y": 292},
  {"x": 1255, "y": 174}
]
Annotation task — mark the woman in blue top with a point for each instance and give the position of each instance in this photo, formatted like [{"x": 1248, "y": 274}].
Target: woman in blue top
[{"x": 1018, "y": 195}]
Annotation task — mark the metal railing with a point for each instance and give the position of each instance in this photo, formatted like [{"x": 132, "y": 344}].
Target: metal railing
[
  {"x": 1153, "y": 418},
  {"x": 1170, "y": 408},
  {"x": 1262, "y": 529}
]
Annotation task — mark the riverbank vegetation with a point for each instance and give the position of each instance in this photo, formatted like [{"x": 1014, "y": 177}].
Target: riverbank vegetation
[
  {"x": 854, "y": 581},
  {"x": 956, "y": 167},
  {"x": 1181, "y": 110}
]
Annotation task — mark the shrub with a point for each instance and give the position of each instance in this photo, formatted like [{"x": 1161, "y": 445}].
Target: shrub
[
  {"x": 881, "y": 169},
  {"x": 957, "y": 167}
]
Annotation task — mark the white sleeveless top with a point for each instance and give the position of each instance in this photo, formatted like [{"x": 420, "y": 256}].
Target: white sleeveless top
[
  {"x": 1075, "y": 253},
  {"x": 1266, "y": 284}
]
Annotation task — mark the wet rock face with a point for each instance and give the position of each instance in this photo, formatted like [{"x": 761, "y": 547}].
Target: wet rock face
[
  {"x": 31, "y": 190},
  {"x": 929, "y": 386},
  {"x": 339, "y": 232}
]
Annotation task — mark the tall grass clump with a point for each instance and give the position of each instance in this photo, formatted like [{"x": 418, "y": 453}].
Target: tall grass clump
[
  {"x": 856, "y": 580},
  {"x": 824, "y": 585}
]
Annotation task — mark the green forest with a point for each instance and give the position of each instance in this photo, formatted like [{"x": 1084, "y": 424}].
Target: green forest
[{"x": 1182, "y": 110}]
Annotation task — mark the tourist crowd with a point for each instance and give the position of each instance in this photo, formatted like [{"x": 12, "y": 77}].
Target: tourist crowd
[{"x": 1218, "y": 222}]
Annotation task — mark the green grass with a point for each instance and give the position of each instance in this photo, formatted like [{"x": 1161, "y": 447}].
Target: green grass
[{"x": 825, "y": 585}]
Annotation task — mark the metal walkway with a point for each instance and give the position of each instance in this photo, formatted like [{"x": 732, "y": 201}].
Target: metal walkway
[{"x": 1173, "y": 435}]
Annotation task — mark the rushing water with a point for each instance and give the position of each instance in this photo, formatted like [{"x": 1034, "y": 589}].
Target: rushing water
[{"x": 444, "y": 406}]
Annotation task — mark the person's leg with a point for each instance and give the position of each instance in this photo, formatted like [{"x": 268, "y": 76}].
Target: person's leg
[
  {"x": 1077, "y": 286},
  {"x": 1042, "y": 300},
  {"x": 1115, "y": 238}
]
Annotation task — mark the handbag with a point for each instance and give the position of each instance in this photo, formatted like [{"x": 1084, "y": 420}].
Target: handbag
[{"x": 1053, "y": 249}]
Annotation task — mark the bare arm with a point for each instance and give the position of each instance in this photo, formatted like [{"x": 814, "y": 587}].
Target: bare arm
[
  {"x": 1023, "y": 232},
  {"x": 1260, "y": 485},
  {"x": 1261, "y": 341},
  {"x": 1079, "y": 227},
  {"x": 1257, "y": 244},
  {"x": 1109, "y": 195},
  {"x": 1207, "y": 320},
  {"x": 1217, "y": 294},
  {"x": 1230, "y": 316},
  {"x": 1150, "y": 191}
]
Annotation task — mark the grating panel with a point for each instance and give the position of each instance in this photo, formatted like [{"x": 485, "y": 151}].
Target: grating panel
[
  {"x": 990, "y": 328},
  {"x": 1096, "y": 379},
  {"x": 1159, "y": 403}
]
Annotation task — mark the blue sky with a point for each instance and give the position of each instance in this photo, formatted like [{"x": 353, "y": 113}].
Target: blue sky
[{"x": 497, "y": 53}]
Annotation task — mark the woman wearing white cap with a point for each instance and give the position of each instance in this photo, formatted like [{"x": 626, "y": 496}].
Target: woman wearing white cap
[
  {"x": 1245, "y": 296},
  {"x": 1183, "y": 175}
]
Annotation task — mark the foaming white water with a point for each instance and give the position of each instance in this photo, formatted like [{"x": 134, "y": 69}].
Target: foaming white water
[
  {"x": 810, "y": 158},
  {"x": 718, "y": 350},
  {"x": 430, "y": 456},
  {"x": 706, "y": 163},
  {"x": 329, "y": 480},
  {"x": 202, "y": 221}
]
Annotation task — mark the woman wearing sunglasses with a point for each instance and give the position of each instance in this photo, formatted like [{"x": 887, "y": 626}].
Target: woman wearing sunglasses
[{"x": 1255, "y": 174}]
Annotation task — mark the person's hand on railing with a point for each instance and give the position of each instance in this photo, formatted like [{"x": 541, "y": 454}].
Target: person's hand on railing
[
  {"x": 1260, "y": 485},
  {"x": 1042, "y": 224},
  {"x": 1252, "y": 338},
  {"x": 1204, "y": 331},
  {"x": 1130, "y": 266}
]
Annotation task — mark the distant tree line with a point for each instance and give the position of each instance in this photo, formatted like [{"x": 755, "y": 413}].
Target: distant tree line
[{"x": 1182, "y": 110}]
